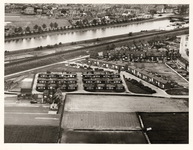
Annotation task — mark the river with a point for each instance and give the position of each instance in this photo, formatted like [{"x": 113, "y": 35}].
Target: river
[{"x": 85, "y": 35}]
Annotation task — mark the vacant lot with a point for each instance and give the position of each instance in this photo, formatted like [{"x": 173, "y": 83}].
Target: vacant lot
[
  {"x": 101, "y": 121},
  {"x": 30, "y": 134},
  {"x": 105, "y": 137},
  {"x": 162, "y": 69},
  {"x": 109, "y": 103},
  {"x": 167, "y": 128}
]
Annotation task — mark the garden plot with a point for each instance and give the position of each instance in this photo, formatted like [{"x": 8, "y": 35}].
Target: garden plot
[
  {"x": 162, "y": 69},
  {"x": 109, "y": 103},
  {"x": 100, "y": 121}
]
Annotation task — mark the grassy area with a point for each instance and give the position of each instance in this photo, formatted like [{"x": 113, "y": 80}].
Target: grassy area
[
  {"x": 32, "y": 20},
  {"x": 135, "y": 89},
  {"x": 113, "y": 137},
  {"x": 167, "y": 128},
  {"x": 30, "y": 134},
  {"x": 181, "y": 91},
  {"x": 41, "y": 61}
]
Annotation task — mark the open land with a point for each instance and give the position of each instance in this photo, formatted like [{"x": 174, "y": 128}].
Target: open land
[
  {"x": 32, "y": 20},
  {"x": 101, "y": 121},
  {"x": 105, "y": 137},
  {"x": 109, "y": 103},
  {"x": 167, "y": 128},
  {"x": 27, "y": 123}
]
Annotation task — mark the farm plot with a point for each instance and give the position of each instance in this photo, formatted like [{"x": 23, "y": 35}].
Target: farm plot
[
  {"x": 109, "y": 103},
  {"x": 30, "y": 134},
  {"x": 111, "y": 137},
  {"x": 100, "y": 121},
  {"x": 162, "y": 69},
  {"x": 167, "y": 128}
]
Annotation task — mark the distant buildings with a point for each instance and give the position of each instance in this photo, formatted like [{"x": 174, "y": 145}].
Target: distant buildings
[{"x": 29, "y": 11}]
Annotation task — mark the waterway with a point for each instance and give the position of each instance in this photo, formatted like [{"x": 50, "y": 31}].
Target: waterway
[{"x": 85, "y": 35}]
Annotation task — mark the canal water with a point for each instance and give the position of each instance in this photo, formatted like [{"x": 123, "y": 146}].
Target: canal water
[{"x": 85, "y": 35}]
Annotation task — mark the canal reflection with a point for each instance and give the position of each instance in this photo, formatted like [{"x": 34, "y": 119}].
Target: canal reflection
[{"x": 90, "y": 34}]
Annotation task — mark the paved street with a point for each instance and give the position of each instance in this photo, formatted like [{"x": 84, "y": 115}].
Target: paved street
[{"x": 24, "y": 113}]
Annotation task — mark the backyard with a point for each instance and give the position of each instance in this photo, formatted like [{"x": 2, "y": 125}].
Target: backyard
[{"x": 162, "y": 69}]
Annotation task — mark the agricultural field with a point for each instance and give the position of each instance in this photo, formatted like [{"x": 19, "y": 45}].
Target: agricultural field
[
  {"x": 100, "y": 121},
  {"x": 167, "y": 128},
  {"x": 105, "y": 137},
  {"x": 30, "y": 134},
  {"x": 110, "y": 103},
  {"x": 162, "y": 69}
]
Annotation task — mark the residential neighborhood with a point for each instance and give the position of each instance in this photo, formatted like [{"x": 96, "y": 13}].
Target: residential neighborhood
[{"x": 96, "y": 73}]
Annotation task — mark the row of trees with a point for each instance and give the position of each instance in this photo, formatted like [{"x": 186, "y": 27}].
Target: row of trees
[{"x": 79, "y": 24}]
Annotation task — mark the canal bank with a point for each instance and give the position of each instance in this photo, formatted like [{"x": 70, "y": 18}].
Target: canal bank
[
  {"x": 85, "y": 34},
  {"x": 95, "y": 44},
  {"x": 83, "y": 29}
]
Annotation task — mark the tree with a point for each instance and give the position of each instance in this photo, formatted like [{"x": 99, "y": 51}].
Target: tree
[
  {"x": 39, "y": 29},
  {"x": 44, "y": 26},
  {"x": 51, "y": 25},
  {"x": 63, "y": 11},
  {"x": 36, "y": 27},
  {"x": 27, "y": 29},
  {"x": 94, "y": 21},
  {"x": 55, "y": 25},
  {"x": 152, "y": 11},
  {"x": 58, "y": 96},
  {"x": 20, "y": 29}
]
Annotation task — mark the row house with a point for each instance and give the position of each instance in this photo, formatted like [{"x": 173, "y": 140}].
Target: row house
[
  {"x": 149, "y": 77},
  {"x": 103, "y": 80},
  {"x": 100, "y": 74},
  {"x": 183, "y": 63},
  {"x": 60, "y": 76},
  {"x": 105, "y": 64},
  {"x": 57, "y": 81},
  {"x": 106, "y": 87},
  {"x": 42, "y": 87}
]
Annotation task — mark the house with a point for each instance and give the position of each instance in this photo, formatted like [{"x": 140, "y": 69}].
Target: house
[
  {"x": 72, "y": 87},
  {"x": 110, "y": 86},
  {"x": 150, "y": 77},
  {"x": 183, "y": 63},
  {"x": 29, "y": 11},
  {"x": 39, "y": 11},
  {"x": 100, "y": 86},
  {"x": 40, "y": 87},
  {"x": 119, "y": 88},
  {"x": 89, "y": 87}
]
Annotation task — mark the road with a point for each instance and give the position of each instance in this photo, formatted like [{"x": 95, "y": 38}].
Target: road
[{"x": 24, "y": 113}]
